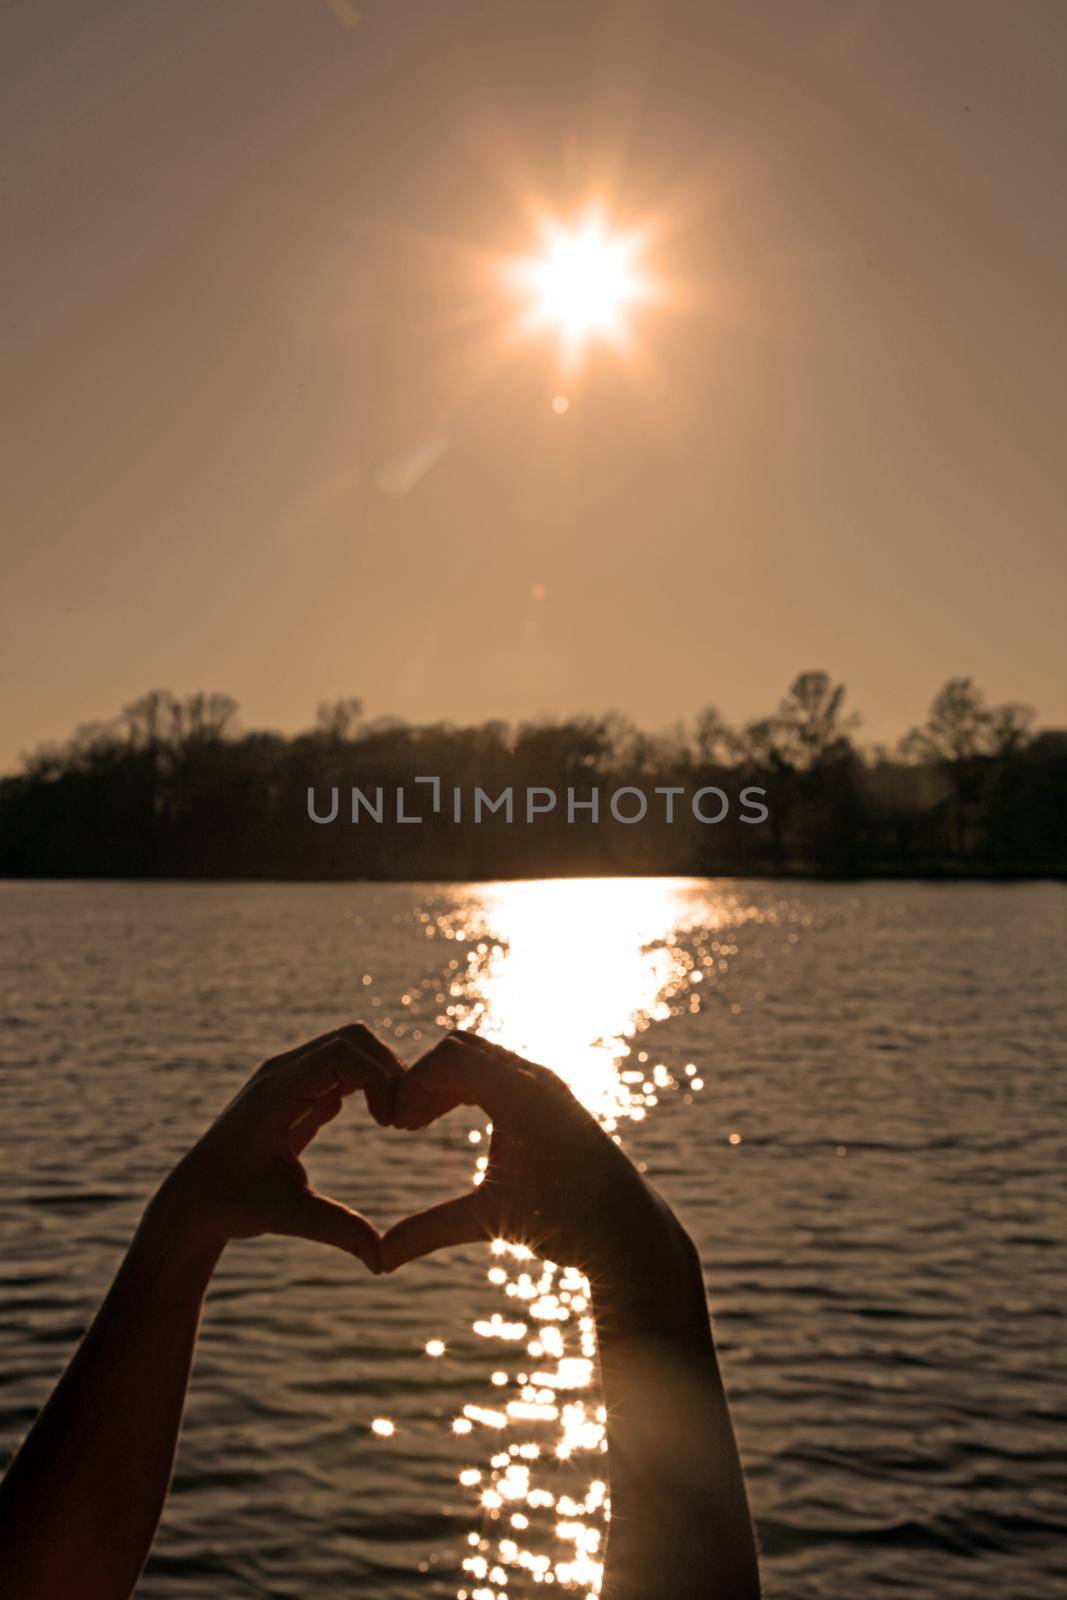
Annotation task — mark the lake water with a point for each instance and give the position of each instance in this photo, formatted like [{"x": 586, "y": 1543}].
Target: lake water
[{"x": 853, "y": 1096}]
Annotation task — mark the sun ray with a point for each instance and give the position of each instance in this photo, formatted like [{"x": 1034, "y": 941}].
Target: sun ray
[{"x": 583, "y": 282}]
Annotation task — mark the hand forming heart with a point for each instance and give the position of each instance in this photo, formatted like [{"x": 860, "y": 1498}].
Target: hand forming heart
[
  {"x": 555, "y": 1180},
  {"x": 81, "y": 1501},
  {"x": 244, "y": 1177}
]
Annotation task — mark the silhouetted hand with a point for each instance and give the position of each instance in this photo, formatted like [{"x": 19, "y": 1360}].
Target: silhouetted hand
[
  {"x": 244, "y": 1176},
  {"x": 556, "y": 1181}
]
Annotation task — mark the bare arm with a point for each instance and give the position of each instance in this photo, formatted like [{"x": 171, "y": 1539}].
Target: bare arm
[
  {"x": 81, "y": 1501},
  {"x": 558, "y": 1183},
  {"x": 677, "y": 1490}
]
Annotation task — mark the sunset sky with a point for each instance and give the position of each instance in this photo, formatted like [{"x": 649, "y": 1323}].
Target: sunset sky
[{"x": 270, "y": 427}]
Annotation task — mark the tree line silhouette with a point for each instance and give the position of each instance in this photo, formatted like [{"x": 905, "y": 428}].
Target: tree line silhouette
[{"x": 171, "y": 788}]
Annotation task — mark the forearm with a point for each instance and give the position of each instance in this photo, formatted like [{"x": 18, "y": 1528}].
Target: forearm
[
  {"x": 80, "y": 1503},
  {"x": 680, "y": 1524}
]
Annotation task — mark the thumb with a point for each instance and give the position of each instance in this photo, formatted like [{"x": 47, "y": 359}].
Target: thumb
[
  {"x": 317, "y": 1217},
  {"x": 458, "y": 1221}
]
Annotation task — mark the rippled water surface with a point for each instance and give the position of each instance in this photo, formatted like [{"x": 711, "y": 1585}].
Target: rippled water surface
[{"x": 854, "y": 1097}]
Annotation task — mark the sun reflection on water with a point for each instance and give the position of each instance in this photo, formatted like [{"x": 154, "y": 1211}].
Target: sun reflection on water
[
  {"x": 570, "y": 973},
  {"x": 568, "y": 970}
]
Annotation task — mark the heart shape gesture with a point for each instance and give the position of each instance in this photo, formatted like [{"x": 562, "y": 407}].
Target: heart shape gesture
[
  {"x": 81, "y": 1501},
  {"x": 555, "y": 1180}
]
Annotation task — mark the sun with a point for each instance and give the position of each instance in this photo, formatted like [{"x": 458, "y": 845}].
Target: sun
[{"x": 583, "y": 282}]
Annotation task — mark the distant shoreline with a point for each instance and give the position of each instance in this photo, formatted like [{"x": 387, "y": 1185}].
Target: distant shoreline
[
  {"x": 948, "y": 874},
  {"x": 172, "y": 790}
]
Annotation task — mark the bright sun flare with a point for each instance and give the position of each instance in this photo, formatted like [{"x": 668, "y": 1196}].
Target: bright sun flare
[{"x": 584, "y": 282}]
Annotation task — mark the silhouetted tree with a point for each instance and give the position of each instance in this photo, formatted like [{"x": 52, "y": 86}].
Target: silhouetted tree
[
  {"x": 171, "y": 788},
  {"x": 962, "y": 736},
  {"x": 337, "y": 720}
]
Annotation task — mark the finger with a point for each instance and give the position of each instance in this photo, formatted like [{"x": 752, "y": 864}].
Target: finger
[
  {"x": 337, "y": 1063},
  {"x": 357, "y": 1032},
  {"x": 268, "y": 1068},
  {"x": 364, "y": 1039},
  {"x": 316, "y": 1216},
  {"x": 315, "y": 1115},
  {"x": 499, "y": 1052},
  {"x": 452, "y": 1222},
  {"x": 456, "y": 1073},
  {"x": 381, "y": 1092},
  {"x": 488, "y": 1047}
]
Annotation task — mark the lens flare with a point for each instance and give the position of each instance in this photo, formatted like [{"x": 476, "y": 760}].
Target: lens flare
[{"x": 583, "y": 282}]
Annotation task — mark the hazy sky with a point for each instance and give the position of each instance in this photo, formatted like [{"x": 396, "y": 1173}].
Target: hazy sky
[{"x": 267, "y": 430}]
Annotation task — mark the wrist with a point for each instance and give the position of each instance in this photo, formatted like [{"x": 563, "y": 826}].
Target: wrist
[
  {"x": 176, "y": 1227},
  {"x": 656, "y": 1290}
]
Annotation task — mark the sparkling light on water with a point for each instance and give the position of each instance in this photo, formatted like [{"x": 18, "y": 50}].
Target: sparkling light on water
[{"x": 571, "y": 974}]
